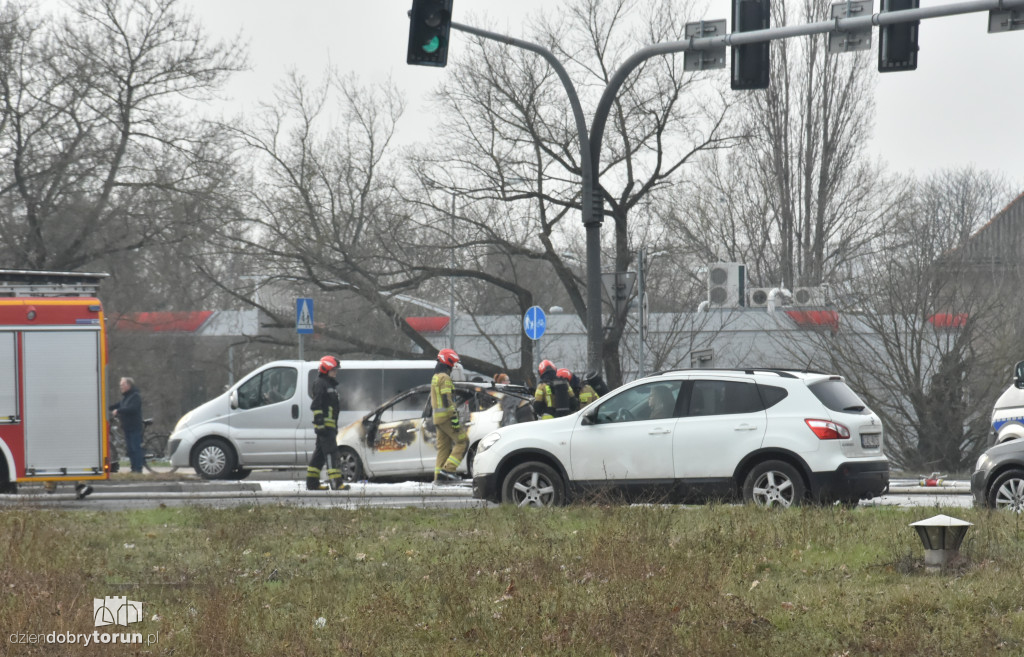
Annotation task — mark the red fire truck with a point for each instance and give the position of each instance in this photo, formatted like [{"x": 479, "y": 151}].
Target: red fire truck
[{"x": 53, "y": 357}]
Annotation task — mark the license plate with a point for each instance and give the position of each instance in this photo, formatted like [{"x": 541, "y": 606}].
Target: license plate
[{"x": 869, "y": 439}]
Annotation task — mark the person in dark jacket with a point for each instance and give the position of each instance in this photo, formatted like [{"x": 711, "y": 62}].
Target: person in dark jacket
[
  {"x": 128, "y": 412},
  {"x": 325, "y": 408}
]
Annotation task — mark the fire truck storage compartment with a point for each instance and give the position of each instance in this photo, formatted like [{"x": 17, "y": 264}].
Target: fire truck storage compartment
[
  {"x": 62, "y": 401},
  {"x": 8, "y": 380}
]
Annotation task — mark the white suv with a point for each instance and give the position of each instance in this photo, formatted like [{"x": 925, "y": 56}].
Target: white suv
[{"x": 772, "y": 437}]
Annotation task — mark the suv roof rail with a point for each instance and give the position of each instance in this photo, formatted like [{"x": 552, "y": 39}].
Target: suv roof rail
[{"x": 781, "y": 372}]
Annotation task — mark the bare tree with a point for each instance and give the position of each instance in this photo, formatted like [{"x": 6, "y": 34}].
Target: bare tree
[
  {"x": 925, "y": 329},
  {"x": 509, "y": 138},
  {"x": 798, "y": 200},
  {"x": 100, "y": 155}
]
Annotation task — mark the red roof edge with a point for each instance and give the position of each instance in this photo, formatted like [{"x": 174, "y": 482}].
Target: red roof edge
[
  {"x": 948, "y": 320},
  {"x": 815, "y": 319},
  {"x": 163, "y": 322},
  {"x": 427, "y": 324}
]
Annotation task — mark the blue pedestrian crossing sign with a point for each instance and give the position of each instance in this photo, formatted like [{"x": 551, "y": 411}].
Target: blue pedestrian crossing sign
[
  {"x": 304, "y": 316},
  {"x": 534, "y": 322}
]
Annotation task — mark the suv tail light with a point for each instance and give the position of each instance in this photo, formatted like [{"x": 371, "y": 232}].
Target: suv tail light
[{"x": 828, "y": 430}]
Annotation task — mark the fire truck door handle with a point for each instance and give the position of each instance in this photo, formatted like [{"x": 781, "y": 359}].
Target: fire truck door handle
[{"x": 295, "y": 411}]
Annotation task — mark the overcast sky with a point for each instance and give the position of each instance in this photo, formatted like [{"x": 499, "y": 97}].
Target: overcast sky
[{"x": 963, "y": 105}]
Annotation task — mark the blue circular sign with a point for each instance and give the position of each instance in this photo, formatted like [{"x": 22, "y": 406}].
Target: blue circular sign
[{"x": 534, "y": 322}]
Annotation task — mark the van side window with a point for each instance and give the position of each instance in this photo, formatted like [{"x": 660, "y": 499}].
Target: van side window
[
  {"x": 268, "y": 387},
  {"x": 359, "y": 389}
]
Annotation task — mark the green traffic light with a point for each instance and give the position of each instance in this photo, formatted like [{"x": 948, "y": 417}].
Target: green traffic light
[{"x": 432, "y": 45}]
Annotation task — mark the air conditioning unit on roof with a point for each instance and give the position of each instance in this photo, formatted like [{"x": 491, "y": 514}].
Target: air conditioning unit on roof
[
  {"x": 757, "y": 297},
  {"x": 726, "y": 285},
  {"x": 809, "y": 296}
]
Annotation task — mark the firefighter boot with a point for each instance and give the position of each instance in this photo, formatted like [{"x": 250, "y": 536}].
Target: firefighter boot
[
  {"x": 312, "y": 478},
  {"x": 334, "y": 476},
  {"x": 445, "y": 477}
]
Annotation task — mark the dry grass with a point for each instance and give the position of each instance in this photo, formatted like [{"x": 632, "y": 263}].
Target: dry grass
[{"x": 589, "y": 580}]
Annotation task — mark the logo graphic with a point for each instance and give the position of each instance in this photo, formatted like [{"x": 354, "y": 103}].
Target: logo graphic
[{"x": 113, "y": 610}]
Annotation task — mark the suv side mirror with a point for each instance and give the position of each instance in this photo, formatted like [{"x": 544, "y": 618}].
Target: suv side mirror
[
  {"x": 1018, "y": 374},
  {"x": 588, "y": 417}
]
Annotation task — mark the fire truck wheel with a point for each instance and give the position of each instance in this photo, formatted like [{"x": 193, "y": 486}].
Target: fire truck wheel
[{"x": 214, "y": 459}]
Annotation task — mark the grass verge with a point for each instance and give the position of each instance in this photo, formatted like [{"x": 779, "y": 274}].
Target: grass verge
[{"x": 589, "y": 580}]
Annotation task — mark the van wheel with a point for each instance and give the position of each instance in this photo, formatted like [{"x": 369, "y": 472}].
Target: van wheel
[
  {"x": 351, "y": 465},
  {"x": 774, "y": 483},
  {"x": 214, "y": 459}
]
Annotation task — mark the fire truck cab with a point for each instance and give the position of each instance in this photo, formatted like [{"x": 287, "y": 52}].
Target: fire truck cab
[{"x": 53, "y": 356}]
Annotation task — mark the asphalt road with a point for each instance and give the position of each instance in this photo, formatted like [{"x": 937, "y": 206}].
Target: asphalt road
[{"x": 288, "y": 488}]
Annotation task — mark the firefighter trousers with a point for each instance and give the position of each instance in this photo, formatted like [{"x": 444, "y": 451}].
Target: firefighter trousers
[
  {"x": 451, "y": 447},
  {"x": 326, "y": 453}
]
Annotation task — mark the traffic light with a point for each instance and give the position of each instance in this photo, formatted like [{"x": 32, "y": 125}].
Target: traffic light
[
  {"x": 897, "y": 44},
  {"x": 751, "y": 63},
  {"x": 429, "y": 24}
]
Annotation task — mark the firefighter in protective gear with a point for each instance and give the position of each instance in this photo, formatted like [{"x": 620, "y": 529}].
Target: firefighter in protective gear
[
  {"x": 325, "y": 408},
  {"x": 574, "y": 386},
  {"x": 596, "y": 383},
  {"x": 452, "y": 441},
  {"x": 584, "y": 390},
  {"x": 553, "y": 397}
]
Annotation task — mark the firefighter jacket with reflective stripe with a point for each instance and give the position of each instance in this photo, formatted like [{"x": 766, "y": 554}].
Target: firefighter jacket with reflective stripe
[
  {"x": 325, "y": 402},
  {"x": 553, "y": 399},
  {"x": 587, "y": 395},
  {"x": 442, "y": 396}
]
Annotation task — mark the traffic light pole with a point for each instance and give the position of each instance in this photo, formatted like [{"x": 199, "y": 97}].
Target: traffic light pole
[
  {"x": 757, "y": 36},
  {"x": 591, "y": 219},
  {"x": 592, "y": 198}
]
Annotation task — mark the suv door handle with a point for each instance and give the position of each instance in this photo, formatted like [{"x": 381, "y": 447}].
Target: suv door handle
[
  {"x": 746, "y": 427},
  {"x": 659, "y": 432}
]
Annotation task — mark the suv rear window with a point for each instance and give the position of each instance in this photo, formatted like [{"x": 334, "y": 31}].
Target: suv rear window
[{"x": 837, "y": 396}]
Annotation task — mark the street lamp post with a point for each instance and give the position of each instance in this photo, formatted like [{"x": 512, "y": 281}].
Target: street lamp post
[
  {"x": 642, "y": 316},
  {"x": 451, "y": 285},
  {"x": 641, "y": 281}
]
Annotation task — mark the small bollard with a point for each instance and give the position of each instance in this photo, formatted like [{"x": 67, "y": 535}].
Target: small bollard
[{"x": 941, "y": 536}]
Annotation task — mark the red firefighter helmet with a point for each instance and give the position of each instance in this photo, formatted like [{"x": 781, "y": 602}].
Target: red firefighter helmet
[
  {"x": 563, "y": 373},
  {"x": 448, "y": 357},
  {"x": 328, "y": 363},
  {"x": 544, "y": 366}
]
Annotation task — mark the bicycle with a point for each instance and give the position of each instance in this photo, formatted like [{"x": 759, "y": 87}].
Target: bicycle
[{"x": 154, "y": 445}]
